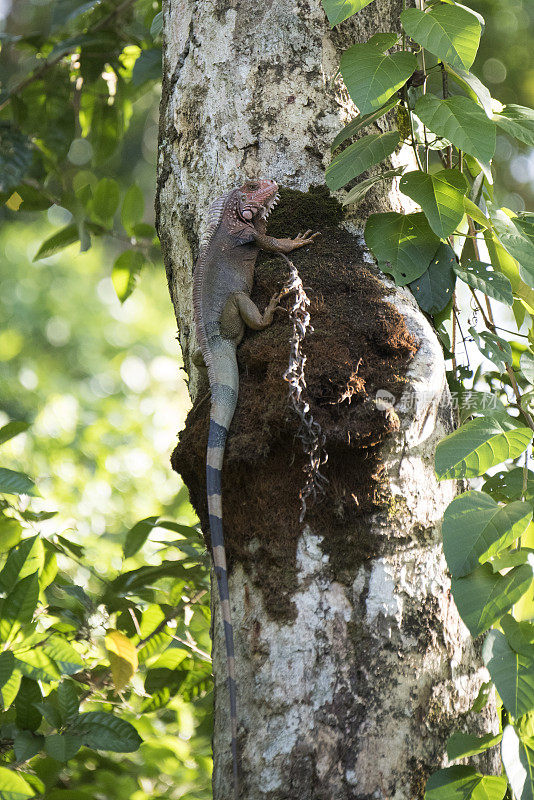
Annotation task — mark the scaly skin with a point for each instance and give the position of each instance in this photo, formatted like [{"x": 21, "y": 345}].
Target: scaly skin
[{"x": 223, "y": 278}]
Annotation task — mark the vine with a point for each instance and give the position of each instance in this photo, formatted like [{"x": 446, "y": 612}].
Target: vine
[{"x": 461, "y": 248}]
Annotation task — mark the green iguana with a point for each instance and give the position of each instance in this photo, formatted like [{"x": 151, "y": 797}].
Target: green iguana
[{"x": 223, "y": 278}]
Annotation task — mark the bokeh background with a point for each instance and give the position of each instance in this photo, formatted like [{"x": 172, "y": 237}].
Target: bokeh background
[{"x": 101, "y": 382}]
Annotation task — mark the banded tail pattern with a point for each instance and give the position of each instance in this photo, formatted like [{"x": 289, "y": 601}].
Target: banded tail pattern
[{"x": 223, "y": 402}]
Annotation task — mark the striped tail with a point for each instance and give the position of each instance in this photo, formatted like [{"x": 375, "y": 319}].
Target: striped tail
[{"x": 223, "y": 402}]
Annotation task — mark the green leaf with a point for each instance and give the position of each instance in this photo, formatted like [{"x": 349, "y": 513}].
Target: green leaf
[
  {"x": 12, "y": 429},
  {"x": 137, "y": 536},
  {"x": 76, "y": 549},
  {"x": 440, "y": 195},
  {"x": 483, "y": 597},
  {"x": 58, "y": 241},
  {"x": 106, "y": 200},
  {"x": 518, "y": 122},
  {"x": 10, "y": 533},
  {"x": 15, "y": 156},
  {"x": 473, "y": 402},
  {"x": 371, "y": 77},
  {"x": 50, "y": 713},
  {"x": 483, "y": 277},
  {"x": 511, "y": 672},
  {"x": 7, "y": 665},
  {"x": 476, "y": 213},
  {"x": 448, "y": 31},
  {"x": 19, "y": 605},
  {"x": 355, "y": 125},
  {"x": 156, "y": 26},
  {"x": 464, "y": 745},
  {"x": 508, "y": 485},
  {"x": 474, "y": 87},
  {"x": 143, "y": 230},
  {"x": 27, "y": 745},
  {"x": 10, "y": 689},
  {"x": 68, "y": 660},
  {"x": 519, "y": 635},
  {"x": 339, "y": 10},
  {"x": 482, "y": 698},
  {"x": 505, "y": 263},
  {"x": 403, "y": 244},
  {"x": 103, "y": 731},
  {"x": 433, "y": 290},
  {"x": 15, "y": 482},
  {"x": 133, "y": 208},
  {"x": 356, "y": 194},
  {"x": 478, "y": 445},
  {"x": 494, "y": 348},
  {"x": 68, "y": 701},
  {"x": 147, "y": 67},
  {"x": 518, "y": 760},
  {"x": 62, "y": 746},
  {"x": 13, "y": 786},
  {"x": 475, "y": 528},
  {"x": 464, "y": 783},
  {"x": 21, "y": 561},
  {"x": 37, "y": 665},
  {"x": 125, "y": 272},
  {"x": 28, "y": 717},
  {"x": 359, "y": 156},
  {"x": 461, "y": 121},
  {"x": 517, "y": 239},
  {"x": 384, "y": 40},
  {"x": 511, "y": 558},
  {"x": 106, "y": 131}
]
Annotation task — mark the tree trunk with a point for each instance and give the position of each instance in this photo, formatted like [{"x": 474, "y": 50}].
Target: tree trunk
[{"x": 352, "y": 664}]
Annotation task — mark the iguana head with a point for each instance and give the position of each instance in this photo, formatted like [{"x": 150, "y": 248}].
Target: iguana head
[{"x": 257, "y": 199}]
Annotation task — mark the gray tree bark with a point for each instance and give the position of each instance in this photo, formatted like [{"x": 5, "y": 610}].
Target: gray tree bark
[{"x": 353, "y": 694}]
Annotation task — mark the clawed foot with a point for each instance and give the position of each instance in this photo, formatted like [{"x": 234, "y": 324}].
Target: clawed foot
[
  {"x": 287, "y": 245},
  {"x": 275, "y": 300},
  {"x": 306, "y": 238}
]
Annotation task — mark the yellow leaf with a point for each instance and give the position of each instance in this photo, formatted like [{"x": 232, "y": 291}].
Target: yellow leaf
[
  {"x": 122, "y": 658},
  {"x": 13, "y": 202}
]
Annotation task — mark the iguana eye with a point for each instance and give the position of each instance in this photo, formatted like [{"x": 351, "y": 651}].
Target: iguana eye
[{"x": 247, "y": 214}]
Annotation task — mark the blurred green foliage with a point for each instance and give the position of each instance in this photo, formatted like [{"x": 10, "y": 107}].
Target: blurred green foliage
[
  {"x": 505, "y": 63},
  {"x": 92, "y": 375}
]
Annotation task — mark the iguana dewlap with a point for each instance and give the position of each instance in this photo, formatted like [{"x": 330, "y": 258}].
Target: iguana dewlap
[{"x": 222, "y": 284}]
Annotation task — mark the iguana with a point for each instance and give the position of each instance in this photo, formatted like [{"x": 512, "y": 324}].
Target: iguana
[{"x": 222, "y": 282}]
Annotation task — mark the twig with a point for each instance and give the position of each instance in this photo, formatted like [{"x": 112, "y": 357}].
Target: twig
[{"x": 454, "y": 323}]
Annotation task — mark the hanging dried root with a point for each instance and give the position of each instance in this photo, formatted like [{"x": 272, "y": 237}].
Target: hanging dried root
[{"x": 310, "y": 433}]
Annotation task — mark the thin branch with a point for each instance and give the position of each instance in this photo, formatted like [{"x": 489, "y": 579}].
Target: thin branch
[{"x": 454, "y": 323}]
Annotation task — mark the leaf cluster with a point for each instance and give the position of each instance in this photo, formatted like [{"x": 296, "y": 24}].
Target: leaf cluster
[
  {"x": 66, "y": 105},
  {"x": 68, "y": 657},
  {"x": 460, "y": 237}
]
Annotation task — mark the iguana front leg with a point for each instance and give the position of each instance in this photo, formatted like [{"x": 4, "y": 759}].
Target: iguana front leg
[
  {"x": 241, "y": 309},
  {"x": 273, "y": 245}
]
